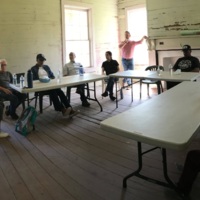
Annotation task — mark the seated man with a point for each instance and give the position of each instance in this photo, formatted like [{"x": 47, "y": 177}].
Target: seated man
[
  {"x": 57, "y": 96},
  {"x": 2, "y": 135},
  {"x": 188, "y": 63},
  {"x": 190, "y": 172},
  {"x": 110, "y": 66},
  {"x": 73, "y": 68},
  {"x": 9, "y": 94}
]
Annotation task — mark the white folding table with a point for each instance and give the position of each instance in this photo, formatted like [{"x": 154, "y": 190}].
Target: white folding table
[
  {"x": 65, "y": 82},
  {"x": 152, "y": 75},
  {"x": 168, "y": 121}
]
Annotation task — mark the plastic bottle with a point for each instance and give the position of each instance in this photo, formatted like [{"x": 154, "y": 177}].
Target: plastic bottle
[
  {"x": 14, "y": 79},
  {"x": 58, "y": 76},
  {"x": 21, "y": 81},
  {"x": 30, "y": 79},
  {"x": 81, "y": 71},
  {"x": 158, "y": 71},
  {"x": 170, "y": 69}
]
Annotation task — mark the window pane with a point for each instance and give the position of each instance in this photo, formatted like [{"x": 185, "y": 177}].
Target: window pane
[{"x": 82, "y": 51}]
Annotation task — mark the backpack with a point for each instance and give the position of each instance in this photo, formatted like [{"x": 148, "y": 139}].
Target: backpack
[{"x": 26, "y": 122}]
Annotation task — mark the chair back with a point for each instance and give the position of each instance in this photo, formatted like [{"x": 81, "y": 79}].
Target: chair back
[
  {"x": 154, "y": 68},
  {"x": 18, "y": 76}
]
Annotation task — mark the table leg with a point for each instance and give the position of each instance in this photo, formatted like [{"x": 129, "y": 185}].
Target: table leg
[
  {"x": 95, "y": 97},
  {"x": 131, "y": 89},
  {"x": 168, "y": 182},
  {"x": 116, "y": 94}
]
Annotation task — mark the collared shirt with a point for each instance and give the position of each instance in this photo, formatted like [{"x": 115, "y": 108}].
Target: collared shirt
[{"x": 71, "y": 68}]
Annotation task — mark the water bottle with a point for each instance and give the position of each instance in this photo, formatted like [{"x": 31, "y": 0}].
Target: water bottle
[
  {"x": 170, "y": 69},
  {"x": 14, "y": 79},
  {"x": 30, "y": 79},
  {"x": 158, "y": 70},
  {"x": 81, "y": 71},
  {"x": 21, "y": 81},
  {"x": 58, "y": 76}
]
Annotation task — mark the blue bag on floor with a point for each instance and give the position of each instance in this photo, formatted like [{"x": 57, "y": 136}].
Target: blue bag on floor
[{"x": 26, "y": 122}]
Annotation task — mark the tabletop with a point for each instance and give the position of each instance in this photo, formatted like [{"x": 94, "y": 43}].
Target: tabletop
[
  {"x": 153, "y": 75},
  {"x": 65, "y": 81},
  {"x": 169, "y": 120}
]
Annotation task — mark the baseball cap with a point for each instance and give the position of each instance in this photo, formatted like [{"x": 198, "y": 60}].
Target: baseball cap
[
  {"x": 40, "y": 57},
  {"x": 186, "y": 47}
]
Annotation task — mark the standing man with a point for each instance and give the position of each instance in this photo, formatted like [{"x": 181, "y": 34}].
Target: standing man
[
  {"x": 127, "y": 47},
  {"x": 110, "y": 66},
  {"x": 187, "y": 63},
  {"x": 73, "y": 68},
  {"x": 57, "y": 96}
]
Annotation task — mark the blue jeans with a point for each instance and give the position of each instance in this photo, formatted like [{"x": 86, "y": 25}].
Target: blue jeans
[{"x": 128, "y": 64}]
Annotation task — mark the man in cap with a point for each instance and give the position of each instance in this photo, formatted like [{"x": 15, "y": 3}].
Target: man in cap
[
  {"x": 57, "y": 96},
  {"x": 187, "y": 63}
]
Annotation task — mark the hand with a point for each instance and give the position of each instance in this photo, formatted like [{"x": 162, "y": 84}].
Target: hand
[
  {"x": 145, "y": 37},
  {"x": 6, "y": 91}
]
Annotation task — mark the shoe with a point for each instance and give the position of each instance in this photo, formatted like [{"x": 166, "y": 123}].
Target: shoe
[
  {"x": 14, "y": 116},
  {"x": 105, "y": 94},
  {"x": 74, "y": 113},
  {"x": 112, "y": 98},
  {"x": 7, "y": 112},
  {"x": 66, "y": 111},
  {"x": 3, "y": 135},
  {"x": 85, "y": 104}
]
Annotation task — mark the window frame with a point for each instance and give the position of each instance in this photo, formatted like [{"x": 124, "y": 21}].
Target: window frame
[{"x": 78, "y": 6}]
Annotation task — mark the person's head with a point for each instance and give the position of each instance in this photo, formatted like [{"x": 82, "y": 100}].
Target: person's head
[
  {"x": 186, "y": 50},
  {"x": 108, "y": 55},
  {"x": 127, "y": 35},
  {"x": 3, "y": 63},
  {"x": 72, "y": 56},
  {"x": 40, "y": 59}
]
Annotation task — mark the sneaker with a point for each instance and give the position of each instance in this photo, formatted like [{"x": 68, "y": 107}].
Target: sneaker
[
  {"x": 66, "y": 111},
  {"x": 3, "y": 135},
  {"x": 112, "y": 98},
  {"x": 7, "y": 112},
  {"x": 74, "y": 113},
  {"x": 14, "y": 116},
  {"x": 85, "y": 104},
  {"x": 105, "y": 94}
]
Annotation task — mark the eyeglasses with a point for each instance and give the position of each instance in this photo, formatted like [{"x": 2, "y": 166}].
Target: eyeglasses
[{"x": 3, "y": 64}]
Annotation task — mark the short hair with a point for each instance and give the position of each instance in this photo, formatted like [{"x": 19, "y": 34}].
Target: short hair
[
  {"x": 3, "y": 61},
  {"x": 109, "y": 53},
  {"x": 127, "y": 32}
]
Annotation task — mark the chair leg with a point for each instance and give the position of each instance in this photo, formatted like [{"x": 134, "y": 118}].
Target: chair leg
[
  {"x": 36, "y": 98},
  {"x": 148, "y": 89},
  {"x": 88, "y": 90},
  {"x": 140, "y": 89},
  {"x": 41, "y": 103}
]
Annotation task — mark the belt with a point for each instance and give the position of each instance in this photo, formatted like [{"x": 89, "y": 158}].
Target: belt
[{"x": 127, "y": 59}]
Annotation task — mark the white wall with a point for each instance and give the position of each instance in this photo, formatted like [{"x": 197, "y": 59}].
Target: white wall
[
  {"x": 29, "y": 27},
  {"x": 173, "y": 18}
]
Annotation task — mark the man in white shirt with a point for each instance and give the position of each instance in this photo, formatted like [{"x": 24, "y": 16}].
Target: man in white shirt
[{"x": 75, "y": 68}]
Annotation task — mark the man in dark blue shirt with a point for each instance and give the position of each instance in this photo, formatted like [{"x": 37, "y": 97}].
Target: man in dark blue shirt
[{"x": 57, "y": 96}]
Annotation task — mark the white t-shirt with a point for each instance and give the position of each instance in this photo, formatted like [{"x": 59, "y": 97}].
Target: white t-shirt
[{"x": 42, "y": 73}]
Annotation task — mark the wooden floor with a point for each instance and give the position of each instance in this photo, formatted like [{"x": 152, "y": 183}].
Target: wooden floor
[{"x": 73, "y": 159}]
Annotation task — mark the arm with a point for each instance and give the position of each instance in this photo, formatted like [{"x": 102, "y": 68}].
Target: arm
[
  {"x": 141, "y": 40},
  {"x": 196, "y": 65},
  {"x": 49, "y": 72},
  {"x": 7, "y": 91},
  {"x": 122, "y": 44},
  {"x": 35, "y": 73}
]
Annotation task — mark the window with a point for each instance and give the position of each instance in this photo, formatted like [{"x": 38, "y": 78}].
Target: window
[
  {"x": 138, "y": 28},
  {"x": 77, "y": 35}
]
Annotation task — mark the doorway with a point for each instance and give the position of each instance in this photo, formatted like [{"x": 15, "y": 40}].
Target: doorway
[{"x": 137, "y": 26}]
